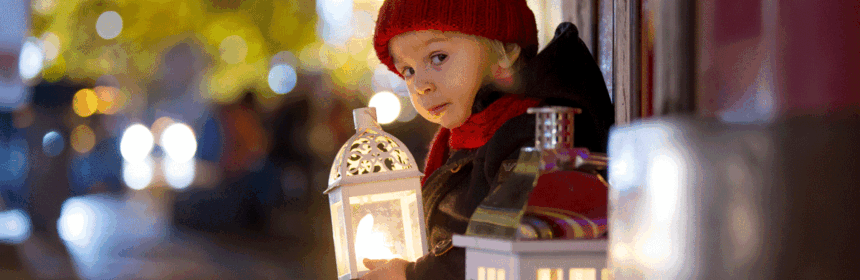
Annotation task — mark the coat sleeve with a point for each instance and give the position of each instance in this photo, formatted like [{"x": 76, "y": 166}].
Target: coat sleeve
[
  {"x": 445, "y": 261},
  {"x": 450, "y": 265}
]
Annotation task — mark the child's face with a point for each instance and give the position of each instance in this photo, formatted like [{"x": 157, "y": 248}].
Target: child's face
[{"x": 443, "y": 72}]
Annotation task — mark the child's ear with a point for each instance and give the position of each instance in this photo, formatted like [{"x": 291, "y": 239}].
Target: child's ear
[{"x": 512, "y": 53}]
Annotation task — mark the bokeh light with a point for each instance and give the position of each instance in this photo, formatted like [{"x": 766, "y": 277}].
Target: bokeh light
[
  {"x": 233, "y": 49},
  {"x": 82, "y": 139},
  {"x": 387, "y": 106},
  {"x": 309, "y": 56},
  {"x": 85, "y": 102},
  {"x": 364, "y": 24},
  {"x": 79, "y": 221},
  {"x": 30, "y": 62},
  {"x": 336, "y": 25},
  {"x": 137, "y": 175},
  {"x": 284, "y": 57},
  {"x": 282, "y": 78},
  {"x": 50, "y": 45},
  {"x": 15, "y": 226},
  {"x": 179, "y": 175},
  {"x": 44, "y": 7},
  {"x": 73, "y": 222},
  {"x": 333, "y": 58},
  {"x": 52, "y": 143},
  {"x": 14, "y": 159},
  {"x": 179, "y": 142},
  {"x": 109, "y": 99},
  {"x": 109, "y": 25},
  {"x": 136, "y": 143}
]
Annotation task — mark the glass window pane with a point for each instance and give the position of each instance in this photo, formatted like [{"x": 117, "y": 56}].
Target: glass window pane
[
  {"x": 412, "y": 223},
  {"x": 583, "y": 274},
  {"x": 379, "y": 226},
  {"x": 550, "y": 274},
  {"x": 339, "y": 239}
]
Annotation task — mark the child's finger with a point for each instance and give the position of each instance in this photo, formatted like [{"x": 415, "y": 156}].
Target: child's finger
[{"x": 373, "y": 264}]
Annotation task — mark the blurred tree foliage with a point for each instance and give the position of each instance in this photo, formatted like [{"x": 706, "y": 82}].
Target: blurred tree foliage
[{"x": 149, "y": 27}]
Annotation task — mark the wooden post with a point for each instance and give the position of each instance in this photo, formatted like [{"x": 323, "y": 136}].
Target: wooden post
[
  {"x": 673, "y": 58},
  {"x": 625, "y": 62}
]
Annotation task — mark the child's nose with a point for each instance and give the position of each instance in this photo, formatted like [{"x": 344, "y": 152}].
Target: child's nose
[{"x": 425, "y": 86}]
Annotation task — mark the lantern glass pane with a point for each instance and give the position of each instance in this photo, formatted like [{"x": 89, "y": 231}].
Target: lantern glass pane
[
  {"x": 583, "y": 274},
  {"x": 339, "y": 239},
  {"x": 413, "y": 223},
  {"x": 550, "y": 274},
  {"x": 385, "y": 226}
]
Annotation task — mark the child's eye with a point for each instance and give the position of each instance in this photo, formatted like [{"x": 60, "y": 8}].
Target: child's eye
[
  {"x": 438, "y": 58},
  {"x": 407, "y": 72}
]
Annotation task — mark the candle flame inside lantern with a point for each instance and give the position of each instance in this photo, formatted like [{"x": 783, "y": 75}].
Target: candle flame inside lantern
[{"x": 370, "y": 244}]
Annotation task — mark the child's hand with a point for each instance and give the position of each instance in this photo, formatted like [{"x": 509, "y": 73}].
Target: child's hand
[{"x": 394, "y": 269}]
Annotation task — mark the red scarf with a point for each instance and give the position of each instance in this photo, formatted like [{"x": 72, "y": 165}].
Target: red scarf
[{"x": 476, "y": 131}]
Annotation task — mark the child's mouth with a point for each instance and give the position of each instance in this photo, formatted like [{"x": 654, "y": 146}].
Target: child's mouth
[{"x": 436, "y": 111}]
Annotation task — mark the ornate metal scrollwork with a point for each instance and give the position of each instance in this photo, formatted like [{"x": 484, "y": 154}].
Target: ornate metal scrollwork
[{"x": 371, "y": 153}]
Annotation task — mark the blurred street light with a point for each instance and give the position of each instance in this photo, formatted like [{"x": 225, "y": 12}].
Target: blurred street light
[
  {"x": 30, "y": 62},
  {"x": 136, "y": 143},
  {"x": 137, "y": 175},
  {"x": 179, "y": 142},
  {"x": 52, "y": 144},
  {"x": 387, "y": 104},
  {"x": 109, "y": 25},
  {"x": 15, "y": 226},
  {"x": 282, "y": 78}
]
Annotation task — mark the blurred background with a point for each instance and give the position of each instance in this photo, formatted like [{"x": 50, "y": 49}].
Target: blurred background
[
  {"x": 182, "y": 139},
  {"x": 192, "y": 139}
]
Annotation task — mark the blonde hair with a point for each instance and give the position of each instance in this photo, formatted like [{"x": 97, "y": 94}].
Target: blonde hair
[{"x": 502, "y": 50}]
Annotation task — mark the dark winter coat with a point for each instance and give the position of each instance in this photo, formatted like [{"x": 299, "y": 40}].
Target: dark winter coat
[{"x": 563, "y": 74}]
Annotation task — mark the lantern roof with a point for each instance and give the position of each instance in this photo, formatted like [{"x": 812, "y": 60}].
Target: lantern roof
[{"x": 370, "y": 155}]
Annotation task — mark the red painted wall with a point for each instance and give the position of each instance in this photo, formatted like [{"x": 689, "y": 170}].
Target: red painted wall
[
  {"x": 761, "y": 59},
  {"x": 819, "y": 56}
]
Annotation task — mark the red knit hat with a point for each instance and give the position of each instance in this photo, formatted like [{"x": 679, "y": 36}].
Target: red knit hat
[{"x": 508, "y": 21}]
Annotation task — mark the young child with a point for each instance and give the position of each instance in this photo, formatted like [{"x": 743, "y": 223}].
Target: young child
[{"x": 472, "y": 66}]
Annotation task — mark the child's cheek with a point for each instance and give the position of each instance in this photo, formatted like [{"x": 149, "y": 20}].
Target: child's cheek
[{"x": 418, "y": 108}]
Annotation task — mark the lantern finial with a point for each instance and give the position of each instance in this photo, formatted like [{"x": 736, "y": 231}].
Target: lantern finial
[{"x": 365, "y": 118}]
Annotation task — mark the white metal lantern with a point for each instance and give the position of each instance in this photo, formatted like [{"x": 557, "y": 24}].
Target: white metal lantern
[
  {"x": 375, "y": 198},
  {"x": 501, "y": 259}
]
